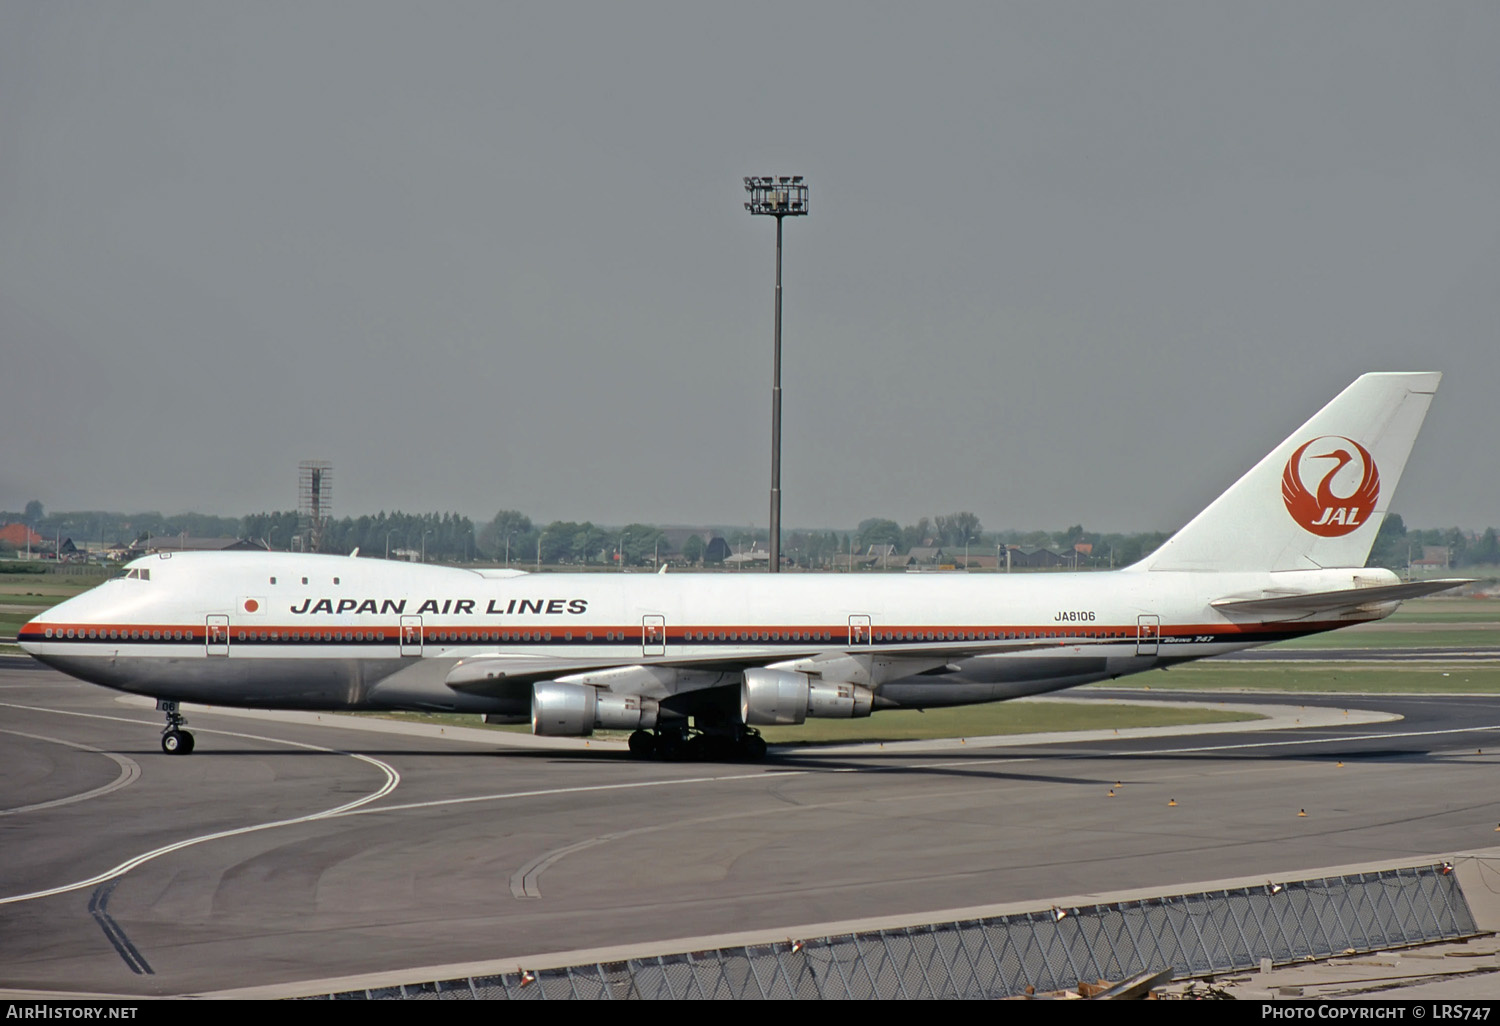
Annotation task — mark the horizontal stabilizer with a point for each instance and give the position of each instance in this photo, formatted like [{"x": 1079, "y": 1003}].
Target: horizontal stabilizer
[{"x": 1344, "y": 598}]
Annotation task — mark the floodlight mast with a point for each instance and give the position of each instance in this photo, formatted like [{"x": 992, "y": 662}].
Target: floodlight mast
[{"x": 779, "y": 196}]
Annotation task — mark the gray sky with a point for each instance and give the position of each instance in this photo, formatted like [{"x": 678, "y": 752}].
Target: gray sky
[{"x": 1066, "y": 262}]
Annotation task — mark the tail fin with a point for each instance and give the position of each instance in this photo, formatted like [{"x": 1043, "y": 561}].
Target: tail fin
[{"x": 1318, "y": 499}]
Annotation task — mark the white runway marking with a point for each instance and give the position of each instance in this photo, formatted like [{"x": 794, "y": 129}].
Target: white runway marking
[
  {"x": 129, "y": 771},
  {"x": 581, "y": 789},
  {"x": 392, "y": 781},
  {"x": 1318, "y": 740}
]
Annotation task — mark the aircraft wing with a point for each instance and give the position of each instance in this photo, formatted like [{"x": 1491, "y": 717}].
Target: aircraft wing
[
  {"x": 503, "y": 675},
  {"x": 1332, "y": 601}
]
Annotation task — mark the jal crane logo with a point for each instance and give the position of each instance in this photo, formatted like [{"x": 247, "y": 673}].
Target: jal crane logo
[{"x": 1344, "y": 485}]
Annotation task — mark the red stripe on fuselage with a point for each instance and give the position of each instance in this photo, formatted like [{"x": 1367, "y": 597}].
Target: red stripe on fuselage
[{"x": 633, "y": 633}]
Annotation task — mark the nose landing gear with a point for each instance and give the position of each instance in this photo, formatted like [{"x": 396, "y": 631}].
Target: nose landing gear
[{"x": 174, "y": 740}]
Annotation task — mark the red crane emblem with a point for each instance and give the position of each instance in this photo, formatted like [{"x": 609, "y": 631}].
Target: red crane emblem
[{"x": 1322, "y": 511}]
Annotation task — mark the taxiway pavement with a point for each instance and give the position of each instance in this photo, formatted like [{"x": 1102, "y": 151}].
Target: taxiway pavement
[{"x": 291, "y": 848}]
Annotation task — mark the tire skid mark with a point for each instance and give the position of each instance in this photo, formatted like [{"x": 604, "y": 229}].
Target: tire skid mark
[{"x": 99, "y": 909}]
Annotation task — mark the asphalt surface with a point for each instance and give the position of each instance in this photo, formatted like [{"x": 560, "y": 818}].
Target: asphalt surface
[{"x": 293, "y": 847}]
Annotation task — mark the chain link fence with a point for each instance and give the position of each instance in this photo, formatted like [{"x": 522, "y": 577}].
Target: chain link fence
[{"x": 1192, "y": 934}]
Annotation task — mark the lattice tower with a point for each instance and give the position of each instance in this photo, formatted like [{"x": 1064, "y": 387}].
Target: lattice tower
[{"x": 314, "y": 500}]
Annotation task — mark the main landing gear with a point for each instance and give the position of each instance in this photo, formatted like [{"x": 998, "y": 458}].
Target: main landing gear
[
  {"x": 671, "y": 744},
  {"x": 174, "y": 740}
]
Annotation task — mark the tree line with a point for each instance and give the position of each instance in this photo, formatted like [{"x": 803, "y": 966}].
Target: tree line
[{"x": 512, "y": 537}]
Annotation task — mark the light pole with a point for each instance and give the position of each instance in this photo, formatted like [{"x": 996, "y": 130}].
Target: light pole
[
  {"x": 779, "y": 197},
  {"x": 388, "y": 542},
  {"x": 424, "y": 544}
]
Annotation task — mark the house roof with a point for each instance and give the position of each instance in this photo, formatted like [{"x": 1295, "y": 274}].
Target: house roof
[
  {"x": 18, "y": 534},
  {"x": 178, "y": 543}
]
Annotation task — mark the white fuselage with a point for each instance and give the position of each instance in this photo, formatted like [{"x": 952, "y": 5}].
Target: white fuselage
[{"x": 284, "y": 630}]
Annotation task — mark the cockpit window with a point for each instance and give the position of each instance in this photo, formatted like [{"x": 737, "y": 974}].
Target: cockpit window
[{"x": 138, "y": 574}]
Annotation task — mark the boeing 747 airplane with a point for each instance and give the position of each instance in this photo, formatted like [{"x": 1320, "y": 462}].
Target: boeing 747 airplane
[{"x": 694, "y": 663}]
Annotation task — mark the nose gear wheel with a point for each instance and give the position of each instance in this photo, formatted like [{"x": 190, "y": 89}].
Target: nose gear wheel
[{"x": 174, "y": 740}]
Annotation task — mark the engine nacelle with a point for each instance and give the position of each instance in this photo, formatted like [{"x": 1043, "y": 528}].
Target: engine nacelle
[
  {"x": 773, "y": 698},
  {"x": 624, "y": 712},
  {"x": 839, "y": 700},
  {"x": 781, "y": 698},
  {"x": 574, "y": 710}
]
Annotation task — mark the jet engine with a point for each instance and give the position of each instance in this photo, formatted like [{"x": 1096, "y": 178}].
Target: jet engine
[
  {"x": 779, "y": 698},
  {"x": 575, "y": 710}
]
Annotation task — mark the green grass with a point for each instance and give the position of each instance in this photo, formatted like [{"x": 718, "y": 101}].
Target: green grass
[
  {"x": 43, "y": 591},
  {"x": 29, "y": 599},
  {"x": 1377, "y": 639},
  {"x": 1446, "y": 610},
  {"x": 24, "y": 596},
  {"x": 1454, "y": 623},
  {"x": 1434, "y": 677}
]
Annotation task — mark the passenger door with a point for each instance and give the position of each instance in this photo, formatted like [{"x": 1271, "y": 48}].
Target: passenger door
[
  {"x": 1147, "y": 634},
  {"x": 859, "y": 629},
  {"x": 411, "y": 635},
  {"x": 216, "y": 635},
  {"x": 653, "y": 635}
]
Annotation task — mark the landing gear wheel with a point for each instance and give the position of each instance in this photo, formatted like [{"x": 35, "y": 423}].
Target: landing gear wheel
[
  {"x": 642, "y": 744},
  {"x": 176, "y": 742},
  {"x": 753, "y": 747},
  {"x": 669, "y": 744}
]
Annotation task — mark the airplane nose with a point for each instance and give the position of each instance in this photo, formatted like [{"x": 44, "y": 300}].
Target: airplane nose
[{"x": 31, "y": 636}]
